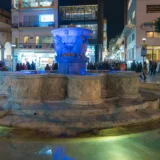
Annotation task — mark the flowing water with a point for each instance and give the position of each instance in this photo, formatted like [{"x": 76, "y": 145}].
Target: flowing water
[{"x": 135, "y": 146}]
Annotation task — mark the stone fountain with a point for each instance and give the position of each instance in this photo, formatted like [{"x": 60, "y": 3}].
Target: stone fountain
[
  {"x": 71, "y": 46},
  {"x": 73, "y": 102}
]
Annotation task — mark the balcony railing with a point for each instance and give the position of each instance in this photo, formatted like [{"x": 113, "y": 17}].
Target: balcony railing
[
  {"x": 33, "y": 4},
  {"x": 36, "y": 24},
  {"x": 33, "y": 24},
  {"x": 35, "y": 46},
  {"x": 14, "y": 25}
]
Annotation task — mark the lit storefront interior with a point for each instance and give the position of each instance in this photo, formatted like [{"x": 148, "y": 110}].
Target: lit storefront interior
[
  {"x": 91, "y": 53},
  {"x": 40, "y": 59},
  {"x": 153, "y": 53}
]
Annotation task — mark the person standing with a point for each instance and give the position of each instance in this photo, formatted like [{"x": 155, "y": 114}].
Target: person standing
[
  {"x": 144, "y": 72},
  {"x": 47, "y": 68},
  {"x": 150, "y": 67},
  {"x": 154, "y": 68}
]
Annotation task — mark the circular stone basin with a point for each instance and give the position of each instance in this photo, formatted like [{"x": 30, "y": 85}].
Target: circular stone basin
[
  {"x": 84, "y": 90},
  {"x": 37, "y": 88},
  {"x": 123, "y": 85}
]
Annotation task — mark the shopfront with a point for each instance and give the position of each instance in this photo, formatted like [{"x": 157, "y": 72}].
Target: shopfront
[
  {"x": 153, "y": 53},
  {"x": 91, "y": 53},
  {"x": 40, "y": 59}
]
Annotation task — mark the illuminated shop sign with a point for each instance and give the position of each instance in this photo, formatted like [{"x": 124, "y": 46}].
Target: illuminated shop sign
[{"x": 47, "y": 18}]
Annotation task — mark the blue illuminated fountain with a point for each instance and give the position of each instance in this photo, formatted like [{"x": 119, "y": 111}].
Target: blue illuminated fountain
[{"x": 70, "y": 45}]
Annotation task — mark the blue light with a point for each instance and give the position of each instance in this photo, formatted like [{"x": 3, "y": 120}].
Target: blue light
[{"x": 70, "y": 45}]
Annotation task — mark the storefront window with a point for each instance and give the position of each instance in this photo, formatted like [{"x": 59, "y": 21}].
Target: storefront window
[
  {"x": 44, "y": 61},
  {"x": 40, "y": 59},
  {"x": 91, "y": 53},
  {"x": 153, "y": 53}
]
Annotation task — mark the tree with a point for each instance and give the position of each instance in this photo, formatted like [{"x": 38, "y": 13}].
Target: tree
[{"x": 157, "y": 25}]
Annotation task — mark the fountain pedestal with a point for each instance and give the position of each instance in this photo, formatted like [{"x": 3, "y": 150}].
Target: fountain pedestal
[{"x": 70, "y": 45}]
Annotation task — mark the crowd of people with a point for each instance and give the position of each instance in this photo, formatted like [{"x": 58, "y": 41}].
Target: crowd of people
[
  {"x": 27, "y": 66},
  {"x": 143, "y": 69},
  {"x": 3, "y": 67},
  {"x": 53, "y": 67},
  {"x": 151, "y": 69},
  {"x": 107, "y": 65},
  {"x": 32, "y": 66}
]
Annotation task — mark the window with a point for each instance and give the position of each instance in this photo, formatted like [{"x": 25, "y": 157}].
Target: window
[
  {"x": 149, "y": 34},
  {"x": 129, "y": 4},
  {"x": 133, "y": 37},
  {"x": 15, "y": 4},
  {"x": 30, "y": 20},
  {"x": 37, "y": 39},
  {"x": 45, "y": 3},
  {"x": 78, "y": 12},
  {"x": 45, "y": 39},
  {"x": 129, "y": 22},
  {"x": 156, "y": 35},
  {"x": 16, "y": 41},
  {"x": 26, "y": 39},
  {"x": 36, "y": 3},
  {"x": 15, "y": 19},
  {"x": 152, "y": 35},
  {"x": 129, "y": 39},
  {"x": 133, "y": 14},
  {"x": 132, "y": 53},
  {"x": 47, "y": 18}
]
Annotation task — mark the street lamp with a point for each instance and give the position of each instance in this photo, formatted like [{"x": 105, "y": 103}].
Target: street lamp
[{"x": 144, "y": 48}]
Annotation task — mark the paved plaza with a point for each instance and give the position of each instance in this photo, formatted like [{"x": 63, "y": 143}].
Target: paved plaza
[{"x": 153, "y": 79}]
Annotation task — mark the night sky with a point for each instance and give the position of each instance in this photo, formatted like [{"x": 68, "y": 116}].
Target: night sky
[{"x": 113, "y": 11}]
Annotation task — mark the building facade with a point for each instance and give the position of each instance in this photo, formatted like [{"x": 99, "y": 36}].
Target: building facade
[
  {"x": 86, "y": 14},
  {"x": 141, "y": 15},
  {"x": 32, "y": 22},
  {"x": 5, "y": 35}
]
